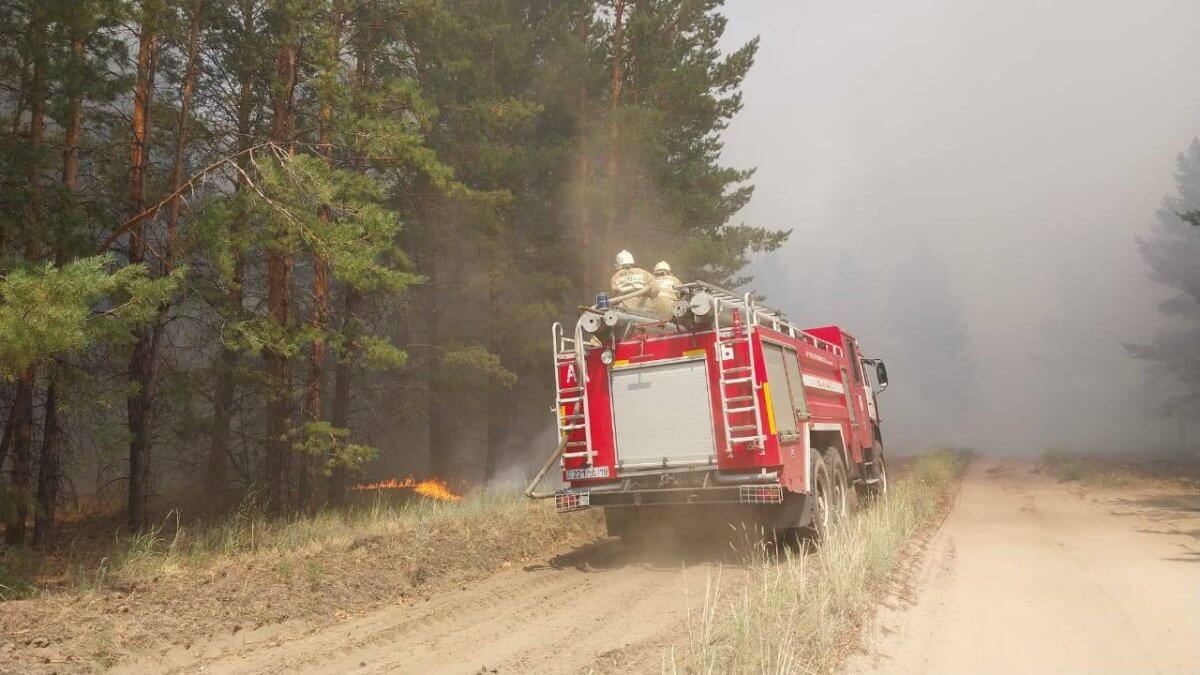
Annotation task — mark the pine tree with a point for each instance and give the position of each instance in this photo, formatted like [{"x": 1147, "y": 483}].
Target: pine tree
[
  {"x": 242, "y": 43},
  {"x": 1172, "y": 250}
]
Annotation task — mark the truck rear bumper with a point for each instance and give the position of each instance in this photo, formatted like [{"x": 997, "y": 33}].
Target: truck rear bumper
[{"x": 581, "y": 498}]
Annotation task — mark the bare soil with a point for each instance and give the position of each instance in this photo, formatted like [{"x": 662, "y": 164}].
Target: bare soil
[
  {"x": 1035, "y": 576},
  {"x": 601, "y": 607}
]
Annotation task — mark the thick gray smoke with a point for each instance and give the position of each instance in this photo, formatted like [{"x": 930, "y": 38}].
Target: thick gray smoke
[{"x": 965, "y": 180}]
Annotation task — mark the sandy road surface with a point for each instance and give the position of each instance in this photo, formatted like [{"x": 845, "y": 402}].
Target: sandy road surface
[
  {"x": 602, "y": 608},
  {"x": 1030, "y": 576}
]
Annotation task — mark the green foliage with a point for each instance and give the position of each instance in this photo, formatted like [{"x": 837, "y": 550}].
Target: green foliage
[
  {"x": 477, "y": 358},
  {"x": 256, "y": 334},
  {"x": 322, "y": 439},
  {"x": 381, "y": 353},
  {"x": 48, "y": 310},
  {"x": 335, "y": 214}
]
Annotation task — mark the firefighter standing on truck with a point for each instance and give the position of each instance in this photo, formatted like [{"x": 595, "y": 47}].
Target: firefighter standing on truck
[
  {"x": 668, "y": 289},
  {"x": 629, "y": 279}
]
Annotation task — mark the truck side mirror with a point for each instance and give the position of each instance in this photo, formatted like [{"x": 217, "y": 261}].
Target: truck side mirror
[{"x": 881, "y": 375}]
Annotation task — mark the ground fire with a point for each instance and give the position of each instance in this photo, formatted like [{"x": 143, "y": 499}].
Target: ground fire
[
  {"x": 433, "y": 488},
  {"x": 686, "y": 399}
]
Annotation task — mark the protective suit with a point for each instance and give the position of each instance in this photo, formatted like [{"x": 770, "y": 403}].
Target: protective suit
[
  {"x": 629, "y": 278},
  {"x": 668, "y": 289}
]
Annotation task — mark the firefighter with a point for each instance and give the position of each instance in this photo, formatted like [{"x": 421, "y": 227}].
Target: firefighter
[
  {"x": 668, "y": 289},
  {"x": 628, "y": 279}
]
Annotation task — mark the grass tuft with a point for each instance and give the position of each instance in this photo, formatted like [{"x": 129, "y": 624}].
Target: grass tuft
[
  {"x": 797, "y": 615},
  {"x": 1067, "y": 467}
]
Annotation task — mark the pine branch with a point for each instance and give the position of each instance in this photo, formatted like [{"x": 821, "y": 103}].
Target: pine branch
[{"x": 189, "y": 184}]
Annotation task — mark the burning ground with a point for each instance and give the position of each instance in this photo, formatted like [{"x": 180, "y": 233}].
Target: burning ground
[{"x": 432, "y": 488}]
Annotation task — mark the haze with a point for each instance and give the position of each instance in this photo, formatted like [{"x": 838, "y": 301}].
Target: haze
[{"x": 977, "y": 169}]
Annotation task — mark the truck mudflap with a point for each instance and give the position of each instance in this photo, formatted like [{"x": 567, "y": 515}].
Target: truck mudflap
[{"x": 577, "y": 499}]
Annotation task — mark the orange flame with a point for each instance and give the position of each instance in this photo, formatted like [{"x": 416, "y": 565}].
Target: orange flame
[{"x": 433, "y": 488}]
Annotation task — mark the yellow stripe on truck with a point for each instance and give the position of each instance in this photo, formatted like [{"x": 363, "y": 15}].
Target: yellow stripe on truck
[{"x": 770, "y": 408}]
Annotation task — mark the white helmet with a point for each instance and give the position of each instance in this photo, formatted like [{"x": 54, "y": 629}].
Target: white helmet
[
  {"x": 663, "y": 267},
  {"x": 624, "y": 259}
]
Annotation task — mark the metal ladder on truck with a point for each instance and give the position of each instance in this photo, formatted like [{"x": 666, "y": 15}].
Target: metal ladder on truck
[
  {"x": 740, "y": 410},
  {"x": 570, "y": 400}
]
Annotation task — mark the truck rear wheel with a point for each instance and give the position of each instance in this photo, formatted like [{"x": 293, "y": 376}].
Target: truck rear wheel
[
  {"x": 819, "y": 498},
  {"x": 839, "y": 486}
]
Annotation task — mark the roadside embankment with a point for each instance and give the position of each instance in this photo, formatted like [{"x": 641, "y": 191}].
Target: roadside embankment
[
  {"x": 802, "y": 613},
  {"x": 178, "y": 585}
]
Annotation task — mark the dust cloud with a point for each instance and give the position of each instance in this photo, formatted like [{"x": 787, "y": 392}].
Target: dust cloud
[{"x": 965, "y": 181}]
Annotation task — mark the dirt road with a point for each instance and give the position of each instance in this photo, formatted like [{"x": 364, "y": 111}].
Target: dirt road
[
  {"x": 1026, "y": 575},
  {"x": 602, "y": 608},
  {"x": 1031, "y": 576}
]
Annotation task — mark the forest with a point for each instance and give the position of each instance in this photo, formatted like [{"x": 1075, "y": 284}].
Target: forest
[{"x": 251, "y": 247}]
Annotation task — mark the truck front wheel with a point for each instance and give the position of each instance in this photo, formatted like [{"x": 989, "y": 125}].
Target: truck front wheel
[{"x": 878, "y": 487}]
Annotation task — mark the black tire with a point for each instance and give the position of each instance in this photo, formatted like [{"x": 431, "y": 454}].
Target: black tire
[
  {"x": 818, "y": 523},
  {"x": 839, "y": 501},
  {"x": 869, "y": 492}
]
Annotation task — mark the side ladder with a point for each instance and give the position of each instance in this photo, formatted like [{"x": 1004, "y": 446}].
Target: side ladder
[
  {"x": 739, "y": 408},
  {"x": 570, "y": 400}
]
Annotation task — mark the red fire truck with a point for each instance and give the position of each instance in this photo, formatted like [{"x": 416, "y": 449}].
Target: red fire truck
[{"x": 724, "y": 407}]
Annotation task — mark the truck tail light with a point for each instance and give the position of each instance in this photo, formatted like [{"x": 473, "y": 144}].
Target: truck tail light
[
  {"x": 760, "y": 494},
  {"x": 571, "y": 500}
]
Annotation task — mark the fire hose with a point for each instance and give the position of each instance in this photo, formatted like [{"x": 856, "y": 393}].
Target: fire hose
[{"x": 531, "y": 490}]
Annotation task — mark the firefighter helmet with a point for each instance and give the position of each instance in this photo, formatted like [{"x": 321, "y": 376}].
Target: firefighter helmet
[
  {"x": 624, "y": 259},
  {"x": 663, "y": 267}
]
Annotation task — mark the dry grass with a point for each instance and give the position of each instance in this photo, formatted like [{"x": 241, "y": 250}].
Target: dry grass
[
  {"x": 1066, "y": 467},
  {"x": 799, "y": 614},
  {"x": 172, "y": 546},
  {"x": 178, "y": 584}
]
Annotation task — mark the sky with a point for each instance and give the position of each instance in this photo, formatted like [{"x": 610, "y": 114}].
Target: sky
[{"x": 990, "y": 160}]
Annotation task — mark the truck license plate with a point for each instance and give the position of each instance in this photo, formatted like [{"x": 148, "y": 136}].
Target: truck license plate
[{"x": 591, "y": 472}]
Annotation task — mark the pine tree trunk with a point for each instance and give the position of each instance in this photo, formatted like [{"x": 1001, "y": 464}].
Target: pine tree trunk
[
  {"x": 141, "y": 365},
  {"x": 50, "y": 461},
  {"x": 22, "y": 440},
  {"x": 340, "y": 414},
  {"x": 218, "y": 452},
  {"x": 343, "y": 369},
  {"x": 181, "y": 127},
  {"x": 314, "y": 386},
  {"x": 496, "y": 405},
  {"x": 280, "y": 487},
  {"x": 583, "y": 172},
  {"x": 440, "y": 450},
  {"x": 614, "y": 128},
  {"x": 23, "y": 424},
  {"x": 49, "y": 467},
  {"x": 6, "y": 440}
]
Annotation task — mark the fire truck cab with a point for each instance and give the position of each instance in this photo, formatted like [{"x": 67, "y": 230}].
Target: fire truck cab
[{"x": 723, "y": 408}]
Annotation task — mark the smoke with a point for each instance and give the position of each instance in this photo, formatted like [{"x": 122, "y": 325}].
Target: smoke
[
  {"x": 965, "y": 181},
  {"x": 523, "y": 456}
]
